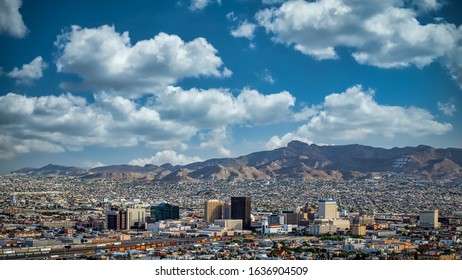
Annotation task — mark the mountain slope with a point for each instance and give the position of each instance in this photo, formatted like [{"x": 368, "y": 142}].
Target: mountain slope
[{"x": 297, "y": 160}]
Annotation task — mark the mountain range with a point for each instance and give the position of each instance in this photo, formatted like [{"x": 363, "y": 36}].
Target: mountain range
[{"x": 298, "y": 160}]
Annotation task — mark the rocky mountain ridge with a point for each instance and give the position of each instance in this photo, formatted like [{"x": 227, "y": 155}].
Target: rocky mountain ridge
[{"x": 298, "y": 160}]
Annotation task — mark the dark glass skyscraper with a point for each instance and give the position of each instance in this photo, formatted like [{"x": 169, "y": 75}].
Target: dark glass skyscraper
[
  {"x": 165, "y": 211},
  {"x": 240, "y": 209},
  {"x": 116, "y": 219}
]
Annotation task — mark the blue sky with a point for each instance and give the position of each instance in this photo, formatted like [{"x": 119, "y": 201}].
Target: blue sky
[{"x": 89, "y": 83}]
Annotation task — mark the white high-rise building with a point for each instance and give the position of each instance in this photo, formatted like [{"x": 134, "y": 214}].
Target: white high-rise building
[
  {"x": 135, "y": 215},
  {"x": 328, "y": 209},
  {"x": 429, "y": 219}
]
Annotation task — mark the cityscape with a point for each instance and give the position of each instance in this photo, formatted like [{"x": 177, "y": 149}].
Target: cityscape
[
  {"x": 260, "y": 132},
  {"x": 59, "y": 217}
]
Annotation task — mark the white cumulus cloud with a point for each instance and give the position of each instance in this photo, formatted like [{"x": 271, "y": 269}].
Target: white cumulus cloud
[
  {"x": 453, "y": 60},
  {"x": 305, "y": 113},
  {"x": 212, "y": 111},
  {"x": 244, "y": 30},
  {"x": 448, "y": 108},
  {"x": 201, "y": 4},
  {"x": 427, "y": 5},
  {"x": 217, "y": 139},
  {"x": 29, "y": 72},
  {"x": 10, "y": 19},
  {"x": 11, "y": 146},
  {"x": 68, "y": 122},
  {"x": 107, "y": 60},
  {"x": 214, "y": 108},
  {"x": 168, "y": 121},
  {"x": 260, "y": 109},
  {"x": 166, "y": 156},
  {"x": 278, "y": 142},
  {"x": 385, "y": 34},
  {"x": 355, "y": 115},
  {"x": 267, "y": 77}
]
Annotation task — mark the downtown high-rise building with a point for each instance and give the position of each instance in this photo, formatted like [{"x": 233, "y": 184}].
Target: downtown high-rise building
[
  {"x": 213, "y": 210},
  {"x": 135, "y": 217},
  {"x": 328, "y": 209},
  {"x": 164, "y": 211},
  {"x": 116, "y": 219},
  {"x": 429, "y": 219},
  {"x": 226, "y": 211},
  {"x": 241, "y": 209}
]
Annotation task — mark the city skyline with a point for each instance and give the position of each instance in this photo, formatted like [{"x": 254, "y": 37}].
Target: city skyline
[
  {"x": 367, "y": 219},
  {"x": 87, "y": 84}
]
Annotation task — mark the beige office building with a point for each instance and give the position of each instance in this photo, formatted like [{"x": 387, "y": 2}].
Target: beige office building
[
  {"x": 429, "y": 219},
  {"x": 364, "y": 220},
  {"x": 358, "y": 230},
  {"x": 340, "y": 224},
  {"x": 229, "y": 224},
  {"x": 328, "y": 209},
  {"x": 213, "y": 210}
]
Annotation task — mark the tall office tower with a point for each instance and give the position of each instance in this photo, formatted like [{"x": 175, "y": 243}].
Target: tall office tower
[
  {"x": 213, "y": 210},
  {"x": 135, "y": 216},
  {"x": 240, "y": 209},
  {"x": 123, "y": 218},
  {"x": 328, "y": 209},
  {"x": 165, "y": 211},
  {"x": 112, "y": 220},
  {"x": 226, "y": 211},
  {"x": 429, "y": 219},
  {"x": 116, "y": 219}
]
